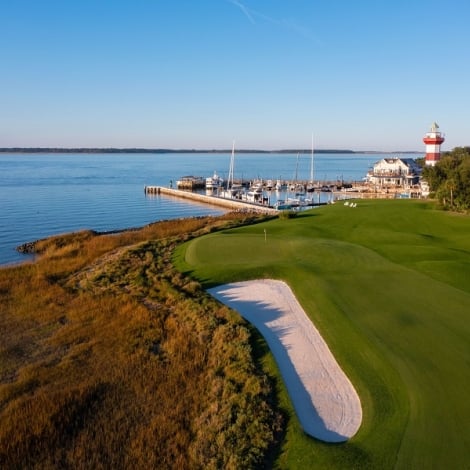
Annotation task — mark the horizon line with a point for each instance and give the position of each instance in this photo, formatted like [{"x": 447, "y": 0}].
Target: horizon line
[{"x": 190, "y": 150}]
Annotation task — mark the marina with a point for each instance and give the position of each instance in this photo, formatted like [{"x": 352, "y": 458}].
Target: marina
[
  {"x": 390, "y": 177},
  {"x": 259, "y": 195}
]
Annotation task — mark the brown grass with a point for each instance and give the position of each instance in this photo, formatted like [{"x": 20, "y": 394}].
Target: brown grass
[{"x": 109, "y": 358}]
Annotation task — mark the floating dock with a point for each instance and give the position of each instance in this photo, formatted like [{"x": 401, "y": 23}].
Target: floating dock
[{"x": 230, "y": 204}]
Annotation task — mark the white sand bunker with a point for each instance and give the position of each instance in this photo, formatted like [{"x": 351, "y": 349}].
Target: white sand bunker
[{"x": 325, "y": 401}]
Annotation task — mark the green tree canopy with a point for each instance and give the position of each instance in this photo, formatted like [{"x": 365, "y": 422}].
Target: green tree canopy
[{"x": 449, "y": 179}]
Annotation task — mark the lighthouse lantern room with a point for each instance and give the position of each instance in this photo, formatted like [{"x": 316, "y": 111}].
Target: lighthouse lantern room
[{"x": 433, "y": 140}]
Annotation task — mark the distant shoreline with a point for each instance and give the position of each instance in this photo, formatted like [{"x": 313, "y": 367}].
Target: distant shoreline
[{"x": 165, "y": 151}]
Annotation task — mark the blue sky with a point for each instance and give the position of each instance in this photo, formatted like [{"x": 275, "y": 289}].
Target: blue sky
[{"x": 361, "y": 75}]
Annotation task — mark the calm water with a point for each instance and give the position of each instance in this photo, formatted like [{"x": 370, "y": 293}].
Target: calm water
[{"x": 46, "y": 194}]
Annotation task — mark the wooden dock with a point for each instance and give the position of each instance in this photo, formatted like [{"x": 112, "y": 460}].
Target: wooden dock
[{"x": 229, "y": 204}]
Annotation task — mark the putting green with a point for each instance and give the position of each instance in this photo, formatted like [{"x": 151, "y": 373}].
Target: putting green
[{"x": 386, "y": 283}]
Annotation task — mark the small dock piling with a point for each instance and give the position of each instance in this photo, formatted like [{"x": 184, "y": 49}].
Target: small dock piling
[{"x": 152, "y": 189}]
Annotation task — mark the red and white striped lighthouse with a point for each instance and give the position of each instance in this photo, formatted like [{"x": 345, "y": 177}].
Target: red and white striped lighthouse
[{"x": 433, "y": 140}]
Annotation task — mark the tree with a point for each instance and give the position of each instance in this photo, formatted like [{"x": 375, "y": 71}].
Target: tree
[{"x": 449, "y": 179}]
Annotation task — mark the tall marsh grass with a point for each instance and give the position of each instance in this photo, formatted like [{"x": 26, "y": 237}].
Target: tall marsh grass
[{"x": 109, "y": 358}]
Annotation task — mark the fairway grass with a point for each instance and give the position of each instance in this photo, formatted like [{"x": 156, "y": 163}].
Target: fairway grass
[{"x": 386, "y": 284}]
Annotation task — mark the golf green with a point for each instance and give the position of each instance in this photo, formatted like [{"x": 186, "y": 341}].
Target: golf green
[{"x": 387, "y": 285}]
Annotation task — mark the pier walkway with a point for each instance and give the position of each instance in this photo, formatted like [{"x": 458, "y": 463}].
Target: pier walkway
[{"x": 230, "y": 204}]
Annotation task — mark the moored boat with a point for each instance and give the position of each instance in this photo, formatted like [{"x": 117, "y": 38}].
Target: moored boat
[
  {"x": 281, "y": 205},
  {"x": 214, "y": 181}
]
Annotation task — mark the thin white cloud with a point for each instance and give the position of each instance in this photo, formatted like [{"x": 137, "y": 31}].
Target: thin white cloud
[
  {"x": 244, "y": 10},
  {"x": 287, "y": 24}
]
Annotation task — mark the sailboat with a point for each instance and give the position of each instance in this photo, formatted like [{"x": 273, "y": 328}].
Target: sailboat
[
  {"x": 295, "y": 185},
  {"x": 310, "y": 184},
  {"x": 232, "y": 190}
]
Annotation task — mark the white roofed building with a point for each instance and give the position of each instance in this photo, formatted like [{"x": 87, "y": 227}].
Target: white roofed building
[{"x": 394, "y": 172}]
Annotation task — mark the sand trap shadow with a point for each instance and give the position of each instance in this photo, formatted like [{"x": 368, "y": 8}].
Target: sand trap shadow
[{"x": 324, "y": 399}]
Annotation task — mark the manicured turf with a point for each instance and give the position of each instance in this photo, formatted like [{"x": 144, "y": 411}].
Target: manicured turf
[{"x": 387, "y": 284}]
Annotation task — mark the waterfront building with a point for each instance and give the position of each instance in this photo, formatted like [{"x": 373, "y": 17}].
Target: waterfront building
[{"x": 394, "y": 172}]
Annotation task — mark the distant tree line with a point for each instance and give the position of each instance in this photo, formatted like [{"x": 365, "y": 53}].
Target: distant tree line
[
  {"x": 158, "y": 150},
  {"x": 449, "y": 179}
]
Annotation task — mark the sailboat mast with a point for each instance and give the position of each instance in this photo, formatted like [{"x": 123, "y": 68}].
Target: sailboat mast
[
  {"x": 311, "y": 164},
  {"x": 297, "y": 168},
  {"x": 230, "y": 171}
]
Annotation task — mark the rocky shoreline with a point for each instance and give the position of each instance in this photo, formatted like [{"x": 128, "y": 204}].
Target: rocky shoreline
[{"x": 27, "y": 248}]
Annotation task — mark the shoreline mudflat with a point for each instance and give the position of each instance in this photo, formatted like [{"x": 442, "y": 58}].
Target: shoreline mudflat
[{"x": 326, "y": 403}]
